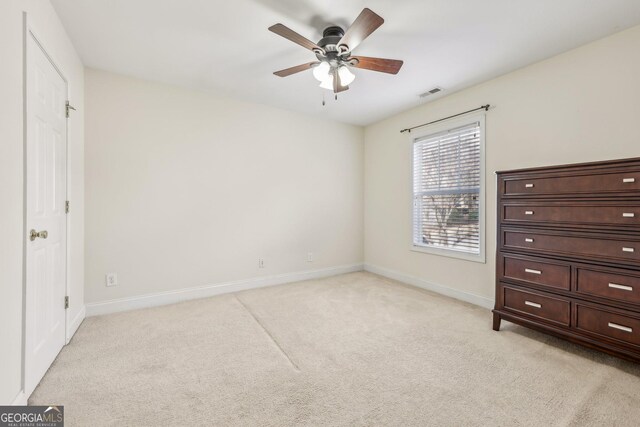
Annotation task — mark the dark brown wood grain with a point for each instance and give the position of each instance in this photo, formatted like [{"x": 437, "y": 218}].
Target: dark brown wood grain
[
  {"x": 289, "y": 34},
  {"x": 293, "y": 70},
  {"x": 567, "y": 213},
  {"x": 609, "y": 324},
  {"x": 538, "y": 271},
  {"x": 365, "y": 24},
  {"x": 578, "y": 184},
  {"x": 622, "y": 286},
  {"x": 536, "y": 304},
  {"x": 579, "y": 227},
  {"x": 586, "y": 340},
  {"x": 389, "y": 66},
  {"x": 600, "y": 246}
]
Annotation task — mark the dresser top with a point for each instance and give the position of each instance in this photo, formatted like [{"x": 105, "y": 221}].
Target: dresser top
[{"x": 606, "y": 164}]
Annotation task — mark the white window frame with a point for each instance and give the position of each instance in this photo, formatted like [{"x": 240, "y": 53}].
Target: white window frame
[{"x": 431, "y": 130}]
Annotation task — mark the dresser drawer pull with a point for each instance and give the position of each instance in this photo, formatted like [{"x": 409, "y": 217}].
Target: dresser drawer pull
[
  {"x": 528, "y": 212},
  {"x": 625, "y": 249},
  {"x": 528, "y": 186},
  {"x": 620, "y": 327},
  {"x": 536, "y": 305},
  {"x": 623, "y": 287},
  {"x": 628, "y": 180},
  {"x": 528, "y": 270},
  {"x": 528, "y": 240},
  {"x": 628, "y": 215}
]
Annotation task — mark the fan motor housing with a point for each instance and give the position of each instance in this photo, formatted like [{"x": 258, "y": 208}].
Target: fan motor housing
[{"x": 329, "y": 41}]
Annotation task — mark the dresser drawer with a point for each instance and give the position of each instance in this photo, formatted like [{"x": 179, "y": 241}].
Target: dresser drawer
[
  {"x": 619, "y": 287},
  {"x": 594, "y": 246},
  {"x": 541, "y": 306},
  {"x": 606, "y": 323},
  {"x": 539, "y": 272},
  {"x": 578, "y": 213},
  {"x": 604, "y": 183}
]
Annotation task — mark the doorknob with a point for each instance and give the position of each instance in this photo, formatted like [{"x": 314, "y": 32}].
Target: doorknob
[{"x": 33, "y": 234}]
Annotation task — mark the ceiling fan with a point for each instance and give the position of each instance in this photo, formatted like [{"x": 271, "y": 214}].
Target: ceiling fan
[{"x": 333, "y": 52}]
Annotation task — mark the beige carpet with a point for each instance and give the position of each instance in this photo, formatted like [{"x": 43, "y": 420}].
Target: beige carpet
[{"x": 355, "y": 349}]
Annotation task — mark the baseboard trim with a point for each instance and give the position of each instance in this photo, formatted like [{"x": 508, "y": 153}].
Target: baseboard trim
[
  {"x": 424, "y": 284},
  {"x": 172, "y": 297},
  {"x": 75, "y": 323},
  {"x": 20, "y": 400}
]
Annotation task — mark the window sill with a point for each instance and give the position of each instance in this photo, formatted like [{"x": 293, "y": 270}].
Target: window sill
[{"x": 479, "y": 258}]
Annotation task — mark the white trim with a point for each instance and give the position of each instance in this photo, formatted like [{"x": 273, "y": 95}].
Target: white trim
[
  {"x": 72, "y": 326},
  {"x": 424, "y": 284},
  {"x": 172, "y": 297},
  {"x": 451, "y": 253},
  {"x": 20, "y": 400},
  {"x": 440, "y": 127}
]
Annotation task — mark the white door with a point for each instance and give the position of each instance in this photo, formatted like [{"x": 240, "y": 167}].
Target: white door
[{"x": 46, "y": 235}]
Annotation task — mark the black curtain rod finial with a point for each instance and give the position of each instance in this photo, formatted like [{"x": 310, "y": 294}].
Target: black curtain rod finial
[{"x": 483, "y": 107}]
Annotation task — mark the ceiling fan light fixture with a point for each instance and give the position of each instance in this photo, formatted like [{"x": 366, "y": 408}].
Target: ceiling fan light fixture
[
  {"x": 327, "y": 83},
  {"x": 346, "y": 76},
  {"x": 321, "y": 71},
  {"x": 334, "y": 52}
]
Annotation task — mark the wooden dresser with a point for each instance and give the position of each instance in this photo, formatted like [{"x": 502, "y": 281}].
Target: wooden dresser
[{"x": 568, "y": 257}]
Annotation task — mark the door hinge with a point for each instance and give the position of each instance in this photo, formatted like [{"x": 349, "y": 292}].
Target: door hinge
[
  {"x": 69, "y": 107},
  {"x": 66, "y": 206},
  {"x": 66, "y": 302}
]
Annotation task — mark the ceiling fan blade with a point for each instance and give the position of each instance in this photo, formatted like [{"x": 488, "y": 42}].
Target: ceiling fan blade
[
  {"x": 288, "y": 71},
  {"x": 289, "y": 34},
  {"x": 365, "y": 24},
  {"x": 390, "y": 66},
  {"x": 337, "y": 83}
]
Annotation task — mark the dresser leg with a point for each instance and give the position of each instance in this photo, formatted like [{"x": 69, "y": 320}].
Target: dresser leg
[{"x": 496, "y": 322}]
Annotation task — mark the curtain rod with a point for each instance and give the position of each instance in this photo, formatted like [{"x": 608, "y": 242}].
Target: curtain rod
[{"x": 484, "y": 107}]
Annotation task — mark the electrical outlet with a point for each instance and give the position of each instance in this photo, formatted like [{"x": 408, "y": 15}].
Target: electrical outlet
[
  {"x": 260, "y": 262},
  {"x": 111, "y": 279},
  {"x": 310, "y": 257}
]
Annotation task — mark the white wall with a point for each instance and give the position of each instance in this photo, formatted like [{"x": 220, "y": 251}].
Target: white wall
[
  {"x": 44, "y": 20},
  {"x": 185, "y": 189},
  {"x": 580, "y": 106}
]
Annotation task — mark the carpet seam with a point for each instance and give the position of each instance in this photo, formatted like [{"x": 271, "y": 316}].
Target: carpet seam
[
  {"x": 593, "y": 386},
  {"x": 266, "y": 331}
]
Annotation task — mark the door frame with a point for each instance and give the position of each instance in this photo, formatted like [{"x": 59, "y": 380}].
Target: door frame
[{"x": 30, "y": 31}]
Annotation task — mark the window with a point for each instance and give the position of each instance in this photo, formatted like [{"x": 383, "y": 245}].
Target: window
[{"x": 448, "y": 193}]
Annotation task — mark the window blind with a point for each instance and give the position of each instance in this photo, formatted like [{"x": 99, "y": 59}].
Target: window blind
[{"x": 446, "y": 189}]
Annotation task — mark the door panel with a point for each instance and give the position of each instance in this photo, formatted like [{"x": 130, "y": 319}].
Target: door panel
[{"x": 46, "y": 155}]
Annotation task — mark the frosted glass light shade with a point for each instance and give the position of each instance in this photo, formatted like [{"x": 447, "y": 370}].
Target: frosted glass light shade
[
  {"x": 321, "y": 71},
  {"x": 327, "y": 83},
  {"x": 346, "y": 76}
]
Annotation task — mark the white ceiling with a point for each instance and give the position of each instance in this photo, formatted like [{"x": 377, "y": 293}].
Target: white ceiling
[{"x": 223, "y": 47}]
